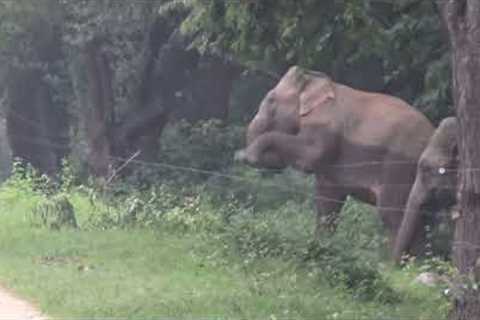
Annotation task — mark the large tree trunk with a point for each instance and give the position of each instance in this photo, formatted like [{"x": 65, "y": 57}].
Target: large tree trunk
[
  {"x": 37, "y": 126},
  {"x": 165, "y": 74},
  {"x": 27, "y": 131},
  {"x": 140, "y": 129},
  {"x": 463, "y": 21},
  {"x": 98, "y": 116}
]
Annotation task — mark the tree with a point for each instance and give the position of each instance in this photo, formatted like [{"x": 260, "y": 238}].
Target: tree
[
  {"x": 130, "y": 65},
  {"x": 398, "y": 44},
  {"x": 140, "y": 70},
  {"x": 462, "y": 18},
  {"x": 31, "y": 53},
  {"x": 109, "y": 68},
  {"x": 112, "y": 55}
]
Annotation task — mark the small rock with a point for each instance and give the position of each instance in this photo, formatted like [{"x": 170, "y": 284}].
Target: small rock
[{"x": 428, "y": 279}]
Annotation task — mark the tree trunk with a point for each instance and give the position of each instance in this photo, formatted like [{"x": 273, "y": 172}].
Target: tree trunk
[
  {"x": 37, "y": 126},
  {"x": 98, "y": 116},
  {"x": 27, "y": 131},
  {"x": 140, "y": 131},
  {"x": 463, "y": 20},
  {"x": 141, "y": 128}
]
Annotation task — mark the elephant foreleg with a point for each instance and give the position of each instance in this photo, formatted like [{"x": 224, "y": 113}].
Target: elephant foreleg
[{"x": 329, "y": 201}]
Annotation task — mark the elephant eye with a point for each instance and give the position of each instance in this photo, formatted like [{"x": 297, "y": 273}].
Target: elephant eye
[{"x": 425, "y": 166}]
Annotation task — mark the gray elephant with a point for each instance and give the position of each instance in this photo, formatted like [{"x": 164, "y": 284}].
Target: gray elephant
[
  {"x": 355, "y": 143},
  {"x": 435, "y": 182}
]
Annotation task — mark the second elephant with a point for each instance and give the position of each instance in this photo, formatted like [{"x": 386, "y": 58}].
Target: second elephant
[{"x": 436, "y": 181}]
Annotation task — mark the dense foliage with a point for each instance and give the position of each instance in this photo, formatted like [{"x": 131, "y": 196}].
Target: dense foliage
[
  {"x": 106, "y": 76},
  {"x": 395, "y": 47}
]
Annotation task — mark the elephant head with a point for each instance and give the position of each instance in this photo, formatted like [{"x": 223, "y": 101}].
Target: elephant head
[
  {"x": 296, "y": 95},
  {"x": 436, "y": 181}
]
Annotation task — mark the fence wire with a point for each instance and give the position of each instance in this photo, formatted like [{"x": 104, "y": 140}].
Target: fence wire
[{"x": 44, "y": 140}]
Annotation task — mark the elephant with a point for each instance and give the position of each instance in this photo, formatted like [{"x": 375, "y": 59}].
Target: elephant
[
  {"x": 355, "y": 143},
  {"x": 435, "y": 182}
]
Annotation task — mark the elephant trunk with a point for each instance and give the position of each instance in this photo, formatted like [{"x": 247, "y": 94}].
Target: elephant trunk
[
  {"x": 257, "y": 127},
  {"x": 411, "y": 219}
]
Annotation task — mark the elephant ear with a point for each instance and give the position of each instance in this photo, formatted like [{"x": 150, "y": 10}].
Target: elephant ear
[
  {"x": 318, "y": 91},
  {"x": 444, "y": 140},
  {"x": 449, "y": 128}
]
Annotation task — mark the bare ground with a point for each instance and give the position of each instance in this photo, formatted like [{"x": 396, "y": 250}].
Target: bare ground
[{"x": 14, "y": 308}]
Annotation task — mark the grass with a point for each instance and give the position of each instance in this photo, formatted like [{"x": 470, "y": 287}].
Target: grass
[{"x": 159, "y": 273}]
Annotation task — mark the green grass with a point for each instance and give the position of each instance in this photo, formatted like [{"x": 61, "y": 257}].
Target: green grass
[{"x": 154, "y": 273}]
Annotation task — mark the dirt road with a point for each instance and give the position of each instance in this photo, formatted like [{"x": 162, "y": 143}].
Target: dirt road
[{"x": 14, "y": 308}]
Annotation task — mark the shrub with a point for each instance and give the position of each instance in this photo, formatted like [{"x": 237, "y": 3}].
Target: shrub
[
  {"x": 262, "y": 190},
  {"x": 206, "y": 145},
  {"x": 287, "y": 233},
  {"x": 54, "y": 212},
  {"x": 25, "y": 178},
  {"x": 271, "y": 217},
  {"x": 267, "y": 233},
  {"x": 361, "y": 230},
  {"x": 343, "y": 267}
]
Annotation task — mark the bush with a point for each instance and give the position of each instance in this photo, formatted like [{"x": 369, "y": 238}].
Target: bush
[
  {"x": 206, "y": 145},
  {"x": 361, "y": 230},
  {"x": 288, "y": 233},
  {"x": 343, "y": 267},
  {"x": 25, "y": 178},
  {"x": 269, "y": 233},
  {"x": 54, "y": 212},
  {"x": 347, "y": 259},
  {"x": 264, "y": 219},
  {"x": 181, "y": 209},
  {"x": 261, "y": 190}
]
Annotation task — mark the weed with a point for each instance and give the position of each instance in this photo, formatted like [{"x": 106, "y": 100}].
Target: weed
[
  {"x": 186, "y": 251},
  {"x": 54, "y": 212}
]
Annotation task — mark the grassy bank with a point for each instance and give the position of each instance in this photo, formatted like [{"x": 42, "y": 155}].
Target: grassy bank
[{"x": 188, "y": 263}]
